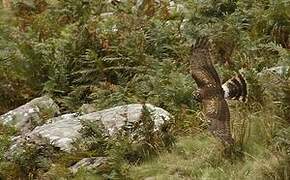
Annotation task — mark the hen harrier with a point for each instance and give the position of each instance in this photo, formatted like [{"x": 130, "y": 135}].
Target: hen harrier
[{"x": 213, "y": 93}]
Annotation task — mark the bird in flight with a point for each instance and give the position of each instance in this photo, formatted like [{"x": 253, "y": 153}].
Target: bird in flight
[{"x": 212, "y": 93}]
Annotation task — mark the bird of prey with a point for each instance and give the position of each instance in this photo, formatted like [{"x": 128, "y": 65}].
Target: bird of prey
[{"x": 212, "y": 93}]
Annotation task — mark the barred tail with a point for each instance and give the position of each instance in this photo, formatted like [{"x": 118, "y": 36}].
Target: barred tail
[{"x": 236, "y": 88}]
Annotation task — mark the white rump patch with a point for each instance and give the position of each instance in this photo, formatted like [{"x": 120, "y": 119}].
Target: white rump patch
[{"x": 226, "y": 90}]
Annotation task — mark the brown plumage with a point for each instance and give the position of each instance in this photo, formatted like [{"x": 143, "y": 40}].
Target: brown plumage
[{"x": 212, "y": 92}]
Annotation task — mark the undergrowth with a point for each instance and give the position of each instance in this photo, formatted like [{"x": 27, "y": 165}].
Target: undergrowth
[{"x": 109, "y": 54}]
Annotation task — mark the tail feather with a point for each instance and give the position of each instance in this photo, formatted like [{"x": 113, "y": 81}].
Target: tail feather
[
  {"x": 236, "y": 88},
  {"x": 244, "y": 88}
]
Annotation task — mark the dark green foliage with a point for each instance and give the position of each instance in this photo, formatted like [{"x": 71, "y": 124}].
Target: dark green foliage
[
  {"x": 7, "y": 169},
  {"x": 33, "y": 159},
  {"x": 93, "y": 138},
  {"x": 5, "y": 134}
]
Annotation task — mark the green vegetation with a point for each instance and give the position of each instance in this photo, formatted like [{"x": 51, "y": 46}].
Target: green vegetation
[{"x": 91, "y": 51}]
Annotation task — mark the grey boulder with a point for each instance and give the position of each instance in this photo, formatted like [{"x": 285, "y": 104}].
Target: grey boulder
[
  {"x": 31, "y": 114},
  {"x": 63, "y": 130},
  {"x": 94, "y": 163},
  {"x": 277, "y": 70}
]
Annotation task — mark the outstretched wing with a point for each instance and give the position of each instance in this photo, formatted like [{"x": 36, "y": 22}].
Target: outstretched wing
[
  {"x": 215, "y": 107},
  {"x": 202, "y": 69}
]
